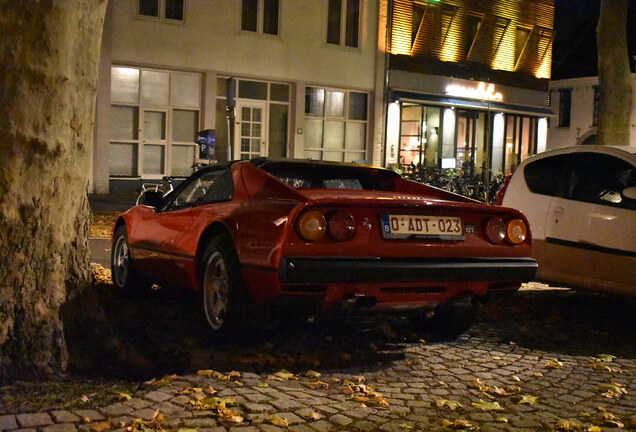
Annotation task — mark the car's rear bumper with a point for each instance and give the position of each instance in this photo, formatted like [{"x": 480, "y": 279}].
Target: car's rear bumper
[{"x": 346, "y": 270}]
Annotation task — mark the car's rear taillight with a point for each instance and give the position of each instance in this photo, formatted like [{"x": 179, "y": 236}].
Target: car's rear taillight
[
  {"x": 516, "y": 231},
  {"x": 513, "y": 231},
  {"x": 495, "y": 230},
  {"x": 341, "y": 226},
  {"x": 312, "y": 226}
]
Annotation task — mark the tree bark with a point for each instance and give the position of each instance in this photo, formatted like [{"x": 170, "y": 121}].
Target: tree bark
[
  {"x": 613, "y": 74},
  {"x": 49, "y": 54}
]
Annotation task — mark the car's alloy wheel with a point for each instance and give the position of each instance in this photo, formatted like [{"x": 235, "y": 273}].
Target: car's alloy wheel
[
  {"x": 216, "y": 290},
  {"x": 120, "y": 261}
]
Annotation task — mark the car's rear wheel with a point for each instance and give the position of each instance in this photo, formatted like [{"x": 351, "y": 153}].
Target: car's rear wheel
[
  {"x": 123, "y": 271},
  {"x": 224, "y": 296},
  {"x": 449, "y": 321}
]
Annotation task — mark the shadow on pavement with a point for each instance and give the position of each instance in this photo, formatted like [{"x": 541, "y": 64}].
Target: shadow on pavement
[{"x": 168, "y": 329}]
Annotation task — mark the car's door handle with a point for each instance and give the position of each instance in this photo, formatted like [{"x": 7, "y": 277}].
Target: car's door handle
[{"x": 556, "y": 213}]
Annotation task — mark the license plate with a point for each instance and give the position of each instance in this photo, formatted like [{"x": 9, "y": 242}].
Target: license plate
[{"x": 435, "y": 227}]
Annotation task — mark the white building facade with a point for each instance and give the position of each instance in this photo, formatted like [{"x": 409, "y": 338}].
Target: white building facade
[
  {"x": 274, "y": 78},
  {"x": 575, "y": 102}
]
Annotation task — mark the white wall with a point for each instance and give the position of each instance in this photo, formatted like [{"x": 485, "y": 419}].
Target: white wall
[
  {"x": 581, "y": 112},
  {"x": 211, "y": 39}
]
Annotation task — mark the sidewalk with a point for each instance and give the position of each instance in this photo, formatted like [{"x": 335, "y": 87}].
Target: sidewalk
[{"x": 111, "y": 203}]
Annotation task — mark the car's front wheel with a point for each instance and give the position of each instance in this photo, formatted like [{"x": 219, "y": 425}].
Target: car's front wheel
[
  {"x": 224, "y": 296},
  {"x": 122, "y": 268}
]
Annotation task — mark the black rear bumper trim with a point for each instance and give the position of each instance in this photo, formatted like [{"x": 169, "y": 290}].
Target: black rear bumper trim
[{"x": 352, "y": 270}]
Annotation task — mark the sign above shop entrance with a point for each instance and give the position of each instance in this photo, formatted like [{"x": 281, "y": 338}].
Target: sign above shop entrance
[{"x": 482, "y": 91}]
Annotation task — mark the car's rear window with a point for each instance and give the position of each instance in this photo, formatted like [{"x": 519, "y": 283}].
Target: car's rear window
[{"x": 316, "y": 176}]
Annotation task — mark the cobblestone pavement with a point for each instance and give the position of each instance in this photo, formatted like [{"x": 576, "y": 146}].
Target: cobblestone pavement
[{"x": 540, "y": 360}]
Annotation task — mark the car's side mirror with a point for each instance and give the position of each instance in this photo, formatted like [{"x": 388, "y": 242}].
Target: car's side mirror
[
  {"x": 152, "y": 199},
  {"x": 630, "y": 193}
]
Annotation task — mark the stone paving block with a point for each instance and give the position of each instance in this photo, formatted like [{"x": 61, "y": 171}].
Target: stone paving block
[
  {"x": 8, "y": 422},
  {"x": 122, "y": 421},
  {"x": 138, "y": 403},
  {"x": 287, "y": 404},
  {"x": 259, "y": 408},
  {"x": 26, "y": 430},
  {"x": 340, "y": 420},
  {"x": 364, "y": 425},
  {"x": 291, "y": 418},
  {"x": 199, "y": 422},
  {"x": 61, "y": 427},
  {"x": 117, "y": 410},
  {"x": 63, "y": 416},
  {"x": 144, "y": 414},
  {"x": 157, "y": 396},
  {"x": 168, "y": 408},
  {"x": 180, "y": 400},
  {"x": 244, "y": 429},
  {"x": 34, "y": 419},
  {"x": 90, "y": 415},
  {"x": 321, "y": 426}
]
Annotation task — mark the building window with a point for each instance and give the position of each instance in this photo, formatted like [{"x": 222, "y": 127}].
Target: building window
[
  {"x": 260, "y": 16},
  {"x": 172, "y": 10},
  {"x": 473, "y": 24},
  {"x": 597, "y": 105},
  {"x": 154, "y": 122},
  {"x": 335, "y": 124},
  {"x": 522, "y": 36},
  {"x": 343, "y": 23},
  {"x": 565, "y": 106}
]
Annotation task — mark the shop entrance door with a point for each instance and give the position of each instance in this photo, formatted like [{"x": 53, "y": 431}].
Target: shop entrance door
[
  {"x": 250, "y": 129},
  {"x": 466, "y": 144}
]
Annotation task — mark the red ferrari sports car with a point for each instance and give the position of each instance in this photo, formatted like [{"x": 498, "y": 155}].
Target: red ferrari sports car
[{"x": 253, "y": 233}]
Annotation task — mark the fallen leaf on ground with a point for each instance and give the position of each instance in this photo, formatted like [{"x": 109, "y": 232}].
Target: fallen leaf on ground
[
  {"x": 262, "y": 384},
  {"x": 228, "y": 415},
  {"x": 447, "y": 403},
  {"x": 568, "y": 425},
  {"x": 163, "y": 381},
  {"x": 487, "y": 406},
  {"x": 554, "y": 364},
  {"x": 478, "y": 385},
  {"x": 407, "y": 426},
  {"x": 101, "y": 426},
  {"x": 501, "y": 420},
  {"x": 606, "y": 357},
  {"x": 122, "y": 397},
  {"x": 313, "y": 415},
  {"x": 278, "y": 421},
  {"x": 528, "y": 400},
  {"x": 610, "y": 419},
  {"x": 612, "y": 390},
  {"x": 377, "y": 399},
  {"x": 282, "y": 375},
  {"x": 312, "y": 374},
  {"x": 315, "y": 384},
  {"x": 459, "y": 424}
]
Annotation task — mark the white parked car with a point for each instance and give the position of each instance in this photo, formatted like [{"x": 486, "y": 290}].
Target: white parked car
[{"x": 581, "y": 205}]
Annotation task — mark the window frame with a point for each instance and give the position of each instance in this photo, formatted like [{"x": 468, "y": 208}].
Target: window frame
[
  {"x": 260, "y": 19},
  {"x": 167, "y": 142},
  {"x": 565, "y": 107},
  {"x": 342, "y": 35},
  {"x": 161, "y": 13},
  {"x": 596, "y": 104},
  {"x": 324, "y": 117}
]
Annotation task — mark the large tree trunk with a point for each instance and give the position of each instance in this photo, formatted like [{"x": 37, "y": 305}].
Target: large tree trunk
[
  {"x": 49, "y": 53},
  {"x": 613, "y": 74}
]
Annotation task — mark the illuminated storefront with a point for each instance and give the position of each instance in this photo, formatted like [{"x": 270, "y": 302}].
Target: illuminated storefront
[{"x": 478, "y": 136}]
